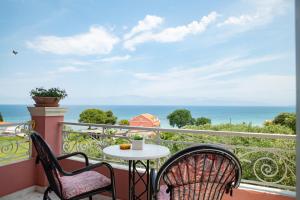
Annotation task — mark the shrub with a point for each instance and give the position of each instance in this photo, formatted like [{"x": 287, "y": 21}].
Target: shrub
[
  {"x": 286, "y": 119},
  {"x": 243, "y": 127},
  {"x": 180, "y": 118},
  {"x": 202, "y": 120},
  {"x": 1, "y": 118},
  {"x": 124, "y": 122}
]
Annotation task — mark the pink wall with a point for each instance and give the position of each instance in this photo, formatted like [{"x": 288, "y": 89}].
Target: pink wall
[
  {"x": 50, "y": 130},
  {"x": 17, "y": 176}
]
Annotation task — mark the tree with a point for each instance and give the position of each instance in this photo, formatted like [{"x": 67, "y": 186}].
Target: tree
[
  {"x": 180, "y": 118},
  {"x": 1, "y": 118},
  {"x": 202, "y": 121},
  {"x": 110, "y": 118},
  {"x": 286, "y": 119},
  {"x": 97, "y": 116},
  {"x": 124, "y": 122}
]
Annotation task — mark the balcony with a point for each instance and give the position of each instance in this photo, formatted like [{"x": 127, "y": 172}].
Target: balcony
[{"x": 268, "y": 166}]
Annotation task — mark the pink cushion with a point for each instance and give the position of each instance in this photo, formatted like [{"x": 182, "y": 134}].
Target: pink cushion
[
  {"x": 162, "y": 194},
  {"x": 83, "y": 182}
]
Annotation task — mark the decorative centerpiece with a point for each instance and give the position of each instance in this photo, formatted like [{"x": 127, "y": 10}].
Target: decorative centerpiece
[
  {"x": 47, "y": 98},
  {"x": 137, "y": 142},
  {"x": 125, "y": 146}
]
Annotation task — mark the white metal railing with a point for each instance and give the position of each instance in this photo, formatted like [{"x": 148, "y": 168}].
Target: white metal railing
[
  {"x": 14, "y": 142},
  {"x": 267, "y": 159}
]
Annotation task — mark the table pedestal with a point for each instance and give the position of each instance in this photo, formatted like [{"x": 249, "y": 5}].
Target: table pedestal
[{"x": 135, "y": 177}]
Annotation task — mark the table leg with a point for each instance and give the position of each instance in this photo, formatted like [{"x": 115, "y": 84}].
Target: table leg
[
  {"x": 135, "y": 177},
  {"x": 148, "y": 180},
  {"x": 130, "y": 180}
]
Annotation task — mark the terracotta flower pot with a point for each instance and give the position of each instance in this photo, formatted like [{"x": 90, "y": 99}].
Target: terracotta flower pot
[{"x": 46, "y": 101}]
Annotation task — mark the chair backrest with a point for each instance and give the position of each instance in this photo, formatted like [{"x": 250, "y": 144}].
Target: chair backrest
[
  {"x": 49, "y": 162},
  {"x": 201, "y": 172}
]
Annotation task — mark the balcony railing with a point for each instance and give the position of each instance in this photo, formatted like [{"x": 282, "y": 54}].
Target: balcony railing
[
  {"x": 267, "y": 159},
  {"x": 14, "y": 142}
]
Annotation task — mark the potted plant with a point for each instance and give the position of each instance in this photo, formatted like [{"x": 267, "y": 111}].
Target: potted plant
[
  {"x": 47, "y": 98},
  {"x": 137, "y": 142}
]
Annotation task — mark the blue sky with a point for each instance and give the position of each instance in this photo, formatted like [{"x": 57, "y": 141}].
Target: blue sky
[{"x": 149, "y": 52}]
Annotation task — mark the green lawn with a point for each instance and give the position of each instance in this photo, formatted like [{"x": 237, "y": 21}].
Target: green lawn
[{"x": 13, "y": 149}]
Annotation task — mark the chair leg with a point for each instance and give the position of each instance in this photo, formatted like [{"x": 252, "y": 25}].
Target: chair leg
[
  {"x": 46, "y": 197},
  {"x": 113, "y": 192}
]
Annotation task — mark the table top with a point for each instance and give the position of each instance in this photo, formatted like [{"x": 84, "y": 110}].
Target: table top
[{"x": 149, "y": 152}]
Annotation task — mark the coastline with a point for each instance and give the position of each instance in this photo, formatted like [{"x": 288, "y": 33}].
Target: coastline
[{"x": 218, "y": 114}]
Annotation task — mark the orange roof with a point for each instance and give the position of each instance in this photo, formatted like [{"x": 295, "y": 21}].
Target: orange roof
[
  {"x": 150, "y": 117},
  {"x": 145, "y": 120}
]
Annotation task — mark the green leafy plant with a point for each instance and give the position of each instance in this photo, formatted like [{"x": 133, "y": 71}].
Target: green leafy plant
[
  {"x": 137, "y": 137},
  {"x": 52, "y": 92}
]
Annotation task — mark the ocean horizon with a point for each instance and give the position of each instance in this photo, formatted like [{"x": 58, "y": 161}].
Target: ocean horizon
[{"x": 218, "y": 114}]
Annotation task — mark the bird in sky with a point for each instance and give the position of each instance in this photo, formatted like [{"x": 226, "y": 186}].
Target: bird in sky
[{"x": 15, "y": 52}]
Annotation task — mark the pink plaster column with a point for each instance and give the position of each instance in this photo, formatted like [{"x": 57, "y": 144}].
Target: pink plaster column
[{"x": 46, "y": 123}]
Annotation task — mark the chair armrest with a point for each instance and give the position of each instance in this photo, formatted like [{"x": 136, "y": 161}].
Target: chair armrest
[
  {"x": 74, "y": 154},
  {"x": 90, "y": 167}
]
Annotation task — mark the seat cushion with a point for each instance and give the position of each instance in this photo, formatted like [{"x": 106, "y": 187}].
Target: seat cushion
[
  {"x": 83, "y": 182},
  {"x": 190, "y": 191},
  {"x": 162, "y": 194}
]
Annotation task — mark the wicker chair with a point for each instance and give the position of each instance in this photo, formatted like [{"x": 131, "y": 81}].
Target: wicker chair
[
  {"x": 203, "y": 172},
  {"x": 74, "y": 185}
]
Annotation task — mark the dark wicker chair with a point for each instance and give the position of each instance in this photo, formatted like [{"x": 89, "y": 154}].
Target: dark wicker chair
[
  {"x": 203, "y": 172},
  {"x": 74, "y": 185}
]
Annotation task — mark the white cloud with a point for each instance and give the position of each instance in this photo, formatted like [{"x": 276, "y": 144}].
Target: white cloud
[
  {"x": 115, "y": 58},
  {"x": 219, "y": 68},
  {"x": 240, "y": 20},
  {"x": 72, "y": 62},
  {"x": 66, "y": 69},
  {"x": 172, "y": 34},
  {"x": 148, "y": 23},
  {"x": 264, "y": 12},
  {"x": 69, "y": 69},
  {"x": 220, "y": 82},
  {"x": 96, "y": 41}
]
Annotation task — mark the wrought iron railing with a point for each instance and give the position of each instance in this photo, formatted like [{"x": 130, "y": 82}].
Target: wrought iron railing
[
  {"x": 15, "y": 144},
  {"x": 267, "y": 159}
]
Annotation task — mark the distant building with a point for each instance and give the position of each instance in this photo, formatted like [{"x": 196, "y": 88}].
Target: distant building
[{"x": 145, "y": 120}]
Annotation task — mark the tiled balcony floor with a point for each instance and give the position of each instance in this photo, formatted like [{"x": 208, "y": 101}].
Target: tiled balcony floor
[{"x": 39, "y": 196}]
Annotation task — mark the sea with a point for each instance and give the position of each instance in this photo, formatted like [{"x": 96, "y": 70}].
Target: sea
[{"x": 218, "y": 114}]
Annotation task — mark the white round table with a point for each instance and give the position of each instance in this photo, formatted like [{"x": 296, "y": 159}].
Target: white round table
[
  {"x": 149, "y": 152},
  {"x": 134, "y": 157}
]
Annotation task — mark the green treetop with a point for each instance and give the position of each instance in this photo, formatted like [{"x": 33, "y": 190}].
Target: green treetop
[
  {"x": 97, "y": 116},
  {"x": 180, "y": 118}
]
